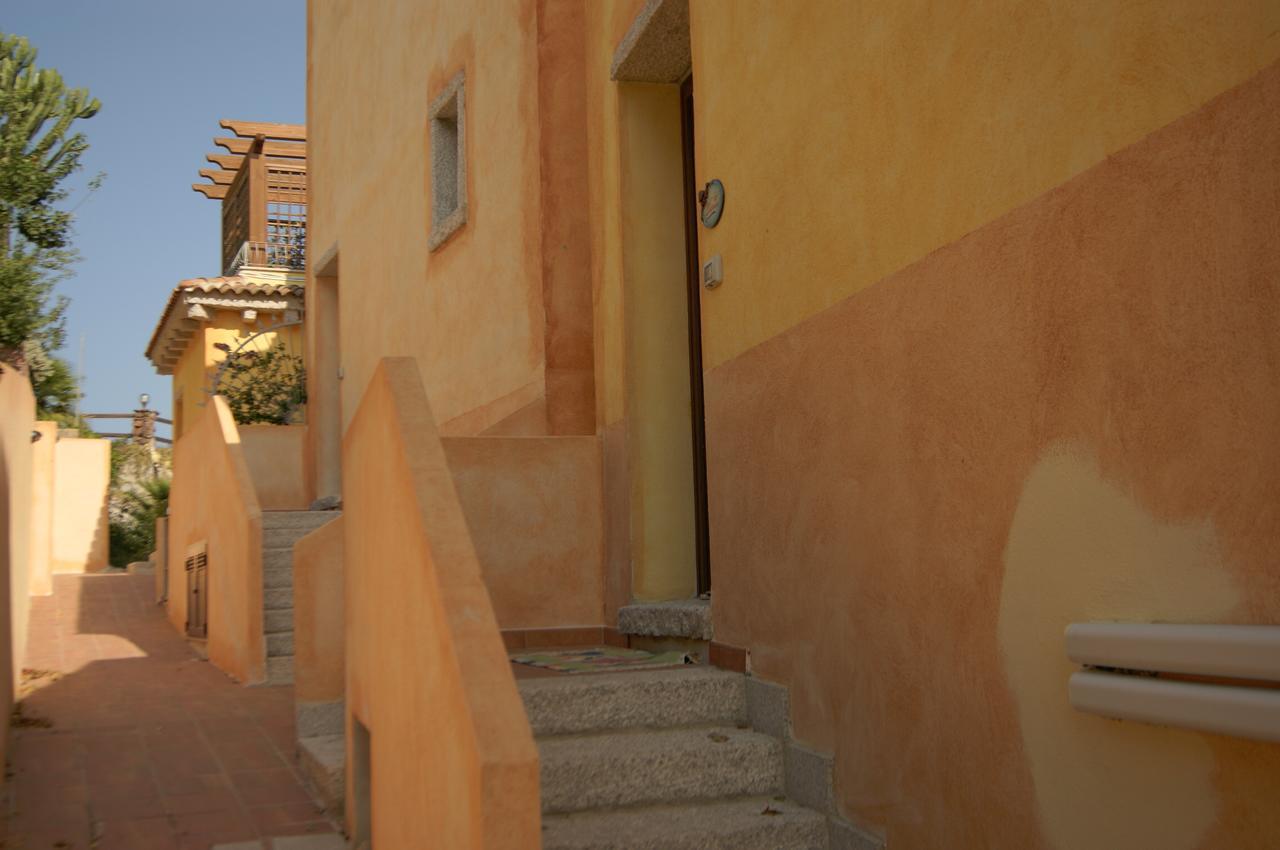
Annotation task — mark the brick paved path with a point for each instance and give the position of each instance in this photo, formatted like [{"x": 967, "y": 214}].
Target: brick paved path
[{"x": 148, "y": 746}]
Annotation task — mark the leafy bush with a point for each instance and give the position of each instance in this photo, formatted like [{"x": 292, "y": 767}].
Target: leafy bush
[
  {"x": 268, "y": 386},
  {"x": 139, "y": 496},
  {"x": 132, "y": 530}
]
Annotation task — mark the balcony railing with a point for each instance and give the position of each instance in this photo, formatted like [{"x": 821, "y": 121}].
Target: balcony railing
[{"x": 275, "y": 255}]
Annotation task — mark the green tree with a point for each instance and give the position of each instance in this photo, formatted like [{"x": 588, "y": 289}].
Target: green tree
[
  {"x": 38, "y": 152},
  {"x": 52, "y": 382}
]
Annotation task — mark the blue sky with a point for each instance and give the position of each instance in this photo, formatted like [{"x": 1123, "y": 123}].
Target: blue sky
[{"x": 166, "y": 71}]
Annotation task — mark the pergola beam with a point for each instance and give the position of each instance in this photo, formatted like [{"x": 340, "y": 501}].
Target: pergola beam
[
  {"x": 229, "y": 161},
  {"x": 249, "y": 129},
  {"x": 288, "y": 150},
  {"x": 220, "y": 178},
  {"x": 209, "y": 190}
]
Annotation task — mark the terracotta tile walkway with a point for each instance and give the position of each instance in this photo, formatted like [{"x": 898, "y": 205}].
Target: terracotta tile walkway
[{"x": 146, "y": 745}]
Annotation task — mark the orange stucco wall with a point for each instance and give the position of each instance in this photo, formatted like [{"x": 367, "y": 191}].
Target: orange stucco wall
[
  {"x": 994, "y": 351},
  {"x": 451, "y": 753},
  {"x": 319, "y": 667},
  {"x": 1064, "y": 416},
  {"x": 17, "y": 419},
  {"x": 533, "y": 506},
  {"x": 274, "y": 456},
  {"x": 213, "y": 500},
  {"x": 471, "y": 313},
  {"x": 82, "y": 478}
]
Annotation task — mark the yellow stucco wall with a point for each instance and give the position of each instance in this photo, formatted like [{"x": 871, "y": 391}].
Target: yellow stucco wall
[
  {"x": 1028, "y": 420},
  {"x": 42, "y": 507},
  {"x": 194, "y": 375},
  {"x": 860, "y": 136},
  {"x": 82, "y": 477}
]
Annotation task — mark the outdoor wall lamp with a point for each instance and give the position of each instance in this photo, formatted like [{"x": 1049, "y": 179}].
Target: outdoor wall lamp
[{"x": 36, "y": 436}]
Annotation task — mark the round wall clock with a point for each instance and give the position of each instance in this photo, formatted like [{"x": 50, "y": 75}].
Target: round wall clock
[{"x": 712, "y": 200}]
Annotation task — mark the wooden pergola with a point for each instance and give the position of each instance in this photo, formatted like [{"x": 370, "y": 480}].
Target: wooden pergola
[{"x": 261, "y": 181}]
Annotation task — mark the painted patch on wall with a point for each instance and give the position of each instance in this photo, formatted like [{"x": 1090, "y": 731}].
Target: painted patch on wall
[{"x": 1080, "y": 549}]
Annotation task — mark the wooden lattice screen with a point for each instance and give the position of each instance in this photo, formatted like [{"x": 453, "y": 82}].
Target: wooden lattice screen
[{"x": 286, "y": 215}]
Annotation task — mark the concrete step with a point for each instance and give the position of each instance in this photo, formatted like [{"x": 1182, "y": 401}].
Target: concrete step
[
  {"x": 283, "y": 537},
  {"x": 680, "y": 618},
  {"x": 277, "y": 620},
  {"x": 744, "y": 823},
  {"x": 277, "y": 598},
  {"x": 582, "y": 772},
  {"x": 307, "y": 841},
  {"x": 308, "y": 520},
  {"x": 279, "y": 643},
  {"x": 681, "y": 696},
  {"x": 277, "y": 559},
  {"x": 277, "y": 577},
  {"x": 280, "y": 670},
  {"x": 323, "y": 760},
  {"x": 312, "y": 718}
]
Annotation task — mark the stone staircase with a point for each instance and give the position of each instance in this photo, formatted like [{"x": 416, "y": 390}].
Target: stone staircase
[
  {"x": 280, "y": 530},
  {"x": 663, "y": 760}
]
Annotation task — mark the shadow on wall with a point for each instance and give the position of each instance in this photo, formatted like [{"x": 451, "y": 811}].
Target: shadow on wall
[
  {"x": 17, "y": 421},
  {"x": 7, "y": 552},
  {"x": 101, "y": 540}
]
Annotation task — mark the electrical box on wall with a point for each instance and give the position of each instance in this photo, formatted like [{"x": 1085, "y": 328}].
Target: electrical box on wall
[{"x": 712, "y": 272}]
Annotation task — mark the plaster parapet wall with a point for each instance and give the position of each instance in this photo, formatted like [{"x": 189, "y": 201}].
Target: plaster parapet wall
[
  {"x": 274, "y": 456},
  {"x": 451, "y": 752},
  {"x": 42, "y": 507},
  {"x": 82, "y": 481},
  {"x": 213, "y": 500},
  {"x": 17, "y": 419},
  {"x": 319, "y": 664},
  {"x": 534, "y": 508}
]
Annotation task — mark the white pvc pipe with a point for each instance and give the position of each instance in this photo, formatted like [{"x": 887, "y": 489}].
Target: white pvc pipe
[
  {"x": 1240, "y": 712},
  {"x": 1239, "y": 652}
]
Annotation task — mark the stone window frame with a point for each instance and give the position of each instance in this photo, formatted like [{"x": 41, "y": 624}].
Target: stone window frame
[{"x": 447, "y": 159}]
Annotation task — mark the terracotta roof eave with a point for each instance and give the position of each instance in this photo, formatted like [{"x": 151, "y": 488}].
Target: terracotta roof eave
[{"x": 234, "y": 285}]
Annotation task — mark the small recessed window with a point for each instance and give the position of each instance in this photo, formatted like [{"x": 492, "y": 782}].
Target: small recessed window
[{"x": 447, "y": 117}]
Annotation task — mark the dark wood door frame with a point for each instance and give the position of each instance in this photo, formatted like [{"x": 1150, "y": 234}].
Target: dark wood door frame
[{"x": 694, "y": 287}]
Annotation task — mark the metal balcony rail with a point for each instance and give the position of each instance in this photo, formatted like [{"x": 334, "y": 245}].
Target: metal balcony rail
[{"x": 275, "y": 255}]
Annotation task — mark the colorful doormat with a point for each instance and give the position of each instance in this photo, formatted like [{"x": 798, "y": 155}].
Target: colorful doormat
[{"x": 600, "y": 660}]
